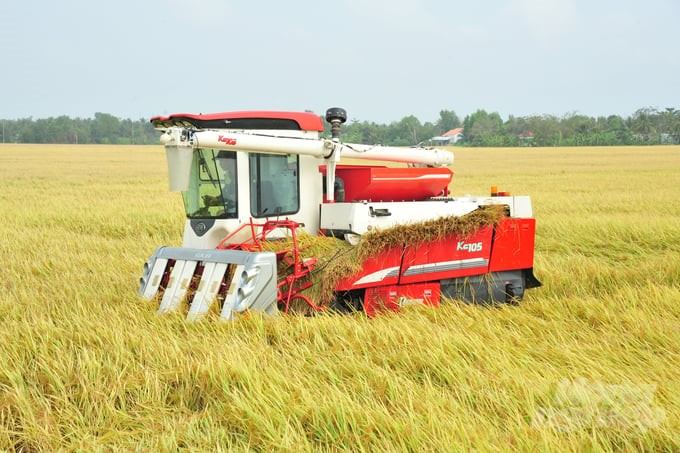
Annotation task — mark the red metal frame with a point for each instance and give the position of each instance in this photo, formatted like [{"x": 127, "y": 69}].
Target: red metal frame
[{"x": 297, "y": 268}]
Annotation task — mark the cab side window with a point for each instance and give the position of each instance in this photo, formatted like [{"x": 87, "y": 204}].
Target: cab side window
[{"x": 274, "y": 185}]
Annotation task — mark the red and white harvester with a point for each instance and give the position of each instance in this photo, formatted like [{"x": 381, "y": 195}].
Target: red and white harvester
[{"x": 249, "y": 177}]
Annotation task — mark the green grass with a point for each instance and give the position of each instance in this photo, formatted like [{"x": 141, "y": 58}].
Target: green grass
[{"x": 85, "y": 365}]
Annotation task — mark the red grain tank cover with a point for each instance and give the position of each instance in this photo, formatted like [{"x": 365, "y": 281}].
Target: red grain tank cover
[{"x": 379, "y": 183}]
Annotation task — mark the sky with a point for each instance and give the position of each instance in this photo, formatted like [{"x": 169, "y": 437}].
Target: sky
[{"x": 380, "y": 60}]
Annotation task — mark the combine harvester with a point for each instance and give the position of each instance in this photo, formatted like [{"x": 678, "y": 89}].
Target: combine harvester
[{"x": 249, "y": 178}]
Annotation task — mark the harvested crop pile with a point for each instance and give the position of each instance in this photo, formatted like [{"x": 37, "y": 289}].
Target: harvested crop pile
[{"x": 338, "y": 260}]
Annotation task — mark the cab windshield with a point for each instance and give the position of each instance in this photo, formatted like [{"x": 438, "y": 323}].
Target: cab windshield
[{"x": 212, "y": 189}]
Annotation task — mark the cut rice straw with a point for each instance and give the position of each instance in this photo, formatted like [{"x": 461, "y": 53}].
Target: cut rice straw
[{"x": 338, "y": 260}]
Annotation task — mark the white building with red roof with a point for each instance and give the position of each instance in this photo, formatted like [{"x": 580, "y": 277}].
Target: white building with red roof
[{"x": 449, "y": 138}]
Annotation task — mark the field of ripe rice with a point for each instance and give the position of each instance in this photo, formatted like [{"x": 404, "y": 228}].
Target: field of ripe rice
[{"x": 590, "y": 361}]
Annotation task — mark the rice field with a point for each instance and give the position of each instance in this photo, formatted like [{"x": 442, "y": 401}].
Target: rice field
[{"x": 590, "y": 361}]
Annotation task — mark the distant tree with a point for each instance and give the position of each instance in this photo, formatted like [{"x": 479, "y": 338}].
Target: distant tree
[
  {"x": 481, "y": 126},
  {"x": 363, "y": 132},
  {"x": 670, "y": 124},
  {"x": 407, "y": 130},
  {"x": 617, "y": 125},
  {"x": 573, "y": 125},
  {"x": 447, "y": 120},
  {"x": 515, "y": 126},
  {"x": 546, "y": 129},
  {"x": 105, "y": 128},
  {"x": 59, "y": 130},
  {"x": 642, "y": 122}
]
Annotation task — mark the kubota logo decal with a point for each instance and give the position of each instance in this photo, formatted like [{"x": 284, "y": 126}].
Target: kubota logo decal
[
  {"x": 469, "y": 247},
  {"x": 226, "y": 140}
]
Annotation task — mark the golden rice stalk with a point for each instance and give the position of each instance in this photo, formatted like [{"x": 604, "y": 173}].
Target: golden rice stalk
[{"x": 419, "y": 233}]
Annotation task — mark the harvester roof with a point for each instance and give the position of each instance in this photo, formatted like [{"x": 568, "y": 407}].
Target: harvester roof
[{"x": 270, "y": 120}]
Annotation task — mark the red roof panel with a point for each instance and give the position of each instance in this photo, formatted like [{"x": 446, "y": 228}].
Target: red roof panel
[{"x": 306, "y": 120}]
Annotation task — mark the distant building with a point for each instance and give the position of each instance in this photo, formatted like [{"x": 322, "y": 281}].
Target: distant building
[
  {"x": 448, "y": 138},
  {"x": 526, "y": 135}
]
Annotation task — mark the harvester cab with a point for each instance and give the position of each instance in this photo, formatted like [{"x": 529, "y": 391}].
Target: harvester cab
[{"x": 251, "y": 178}]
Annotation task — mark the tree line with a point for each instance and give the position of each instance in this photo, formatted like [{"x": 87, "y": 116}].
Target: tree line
[
  {"x": 102, "y": 129},
  {"x": 650, "y": 126}
]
